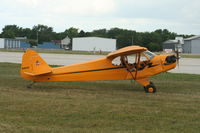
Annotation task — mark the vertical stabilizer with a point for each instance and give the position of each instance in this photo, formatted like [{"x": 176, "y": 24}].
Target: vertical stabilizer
[{"x": 33, "y": 64}]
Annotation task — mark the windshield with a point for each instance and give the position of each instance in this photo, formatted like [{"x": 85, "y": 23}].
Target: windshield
[{"x": 149, "y": 54}]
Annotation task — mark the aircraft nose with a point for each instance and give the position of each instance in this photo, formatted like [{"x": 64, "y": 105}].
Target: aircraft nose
[{"x": 171, "y": 59}]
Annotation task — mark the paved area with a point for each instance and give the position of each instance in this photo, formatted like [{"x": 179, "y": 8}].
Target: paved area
[
  {"x": 53, "y": 59},
  {"x": 187, "y": 65}
]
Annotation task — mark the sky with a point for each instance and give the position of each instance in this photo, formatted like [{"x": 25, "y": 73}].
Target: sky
[{"x": 180, "y": 16}]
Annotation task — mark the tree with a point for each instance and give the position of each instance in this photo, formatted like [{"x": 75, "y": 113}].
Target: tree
[
  {"x": 32, "y": 43},
  {"x": 152, "y": 40},
  {"x": 26, "y": 33},
  {"x": 124, "y": 37},
  {"x": 99, "y": 33},
  {"x": 42, "y": 32},
  {"x": 71, "y": 32},
  {"x": 154, "y": 46},
  {"x": 10, "y": 31},
  {"x": 82, "y": 34}
]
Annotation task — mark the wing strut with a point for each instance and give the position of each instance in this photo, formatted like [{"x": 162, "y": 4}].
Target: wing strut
[
  {"x": 125, "y": 62},
  {"x": 137, "y": 65},
  {"x": 137, "y": 62}
]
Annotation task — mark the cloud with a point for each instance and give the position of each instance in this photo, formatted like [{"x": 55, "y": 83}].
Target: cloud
[
  {"x": 143, "y": 15},
  {"x": 84, "y": 7},
  {"x": 29, "y": 3},
  {"x": 63, "y": 7}
]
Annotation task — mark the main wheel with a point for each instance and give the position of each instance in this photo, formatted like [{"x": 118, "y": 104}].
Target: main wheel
[{"x": 150, "y": 88}]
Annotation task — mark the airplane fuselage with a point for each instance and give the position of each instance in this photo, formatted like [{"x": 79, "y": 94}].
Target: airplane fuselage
[{"x": 102, "y": 69}]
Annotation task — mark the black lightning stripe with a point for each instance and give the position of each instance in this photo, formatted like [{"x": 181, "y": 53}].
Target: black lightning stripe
[
  {"x": 91, "y": 70},
  {"x": 101, "y": 70}
]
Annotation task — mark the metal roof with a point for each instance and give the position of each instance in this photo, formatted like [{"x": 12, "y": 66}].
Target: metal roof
[
  {"x": 93, "y": 37},
  {"x": 192, "y": 38},
  {"x": 170, "y": 41}
]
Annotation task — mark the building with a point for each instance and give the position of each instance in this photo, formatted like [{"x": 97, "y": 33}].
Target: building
[
  {"x": 93, "y": 44},
  {"x": 192, "y": 45},
  {"x": 173, "y": 45},
  {"x": 65, "y": 43},
  {"x": 48, "y": 45},
  {"x": 21, "y": 38},
  {"x": 7, "y": 43}
]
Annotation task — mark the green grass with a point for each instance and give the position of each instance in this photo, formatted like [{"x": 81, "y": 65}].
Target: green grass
[
  {"x": 60, "y": 51},
  {"x": 102, "y": 106}
]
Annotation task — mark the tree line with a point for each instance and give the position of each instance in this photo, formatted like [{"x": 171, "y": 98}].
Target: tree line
[{"x": 42, "y": 33}]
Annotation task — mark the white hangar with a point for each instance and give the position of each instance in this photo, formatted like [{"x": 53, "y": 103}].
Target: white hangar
[
  {"x": 93, "y": 44},
  {"x": 192, "y": 45}
]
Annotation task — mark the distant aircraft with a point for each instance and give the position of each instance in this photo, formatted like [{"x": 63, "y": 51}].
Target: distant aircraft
[{"x": 128, "y": 63}]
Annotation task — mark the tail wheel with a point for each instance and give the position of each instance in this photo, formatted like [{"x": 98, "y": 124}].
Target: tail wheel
[{"x": 150, "y": 88}]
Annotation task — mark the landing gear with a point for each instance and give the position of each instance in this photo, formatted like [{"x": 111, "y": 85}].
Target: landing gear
[
  {"x": 31, "y": 84},
  {"x": 150, "y": 88}
]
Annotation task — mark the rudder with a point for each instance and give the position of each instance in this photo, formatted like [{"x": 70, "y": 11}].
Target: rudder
[{"x": 33, "y": 64}]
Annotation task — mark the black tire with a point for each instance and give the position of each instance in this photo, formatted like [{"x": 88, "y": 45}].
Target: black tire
[{"x": 150, "y": 88}]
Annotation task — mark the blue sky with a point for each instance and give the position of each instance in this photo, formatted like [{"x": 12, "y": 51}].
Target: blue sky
[{"x": 180, "y": 16}]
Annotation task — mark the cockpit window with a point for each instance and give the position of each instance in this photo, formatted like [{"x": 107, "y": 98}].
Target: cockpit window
[
  {"x": 116, "y": 61},
  {"x": 133, "y": 59},
  {"x": 149, "y": 54},
  {"x": 130, "y": 59}
]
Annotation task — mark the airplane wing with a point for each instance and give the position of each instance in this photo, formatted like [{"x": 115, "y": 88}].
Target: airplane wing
[{"x": 126, "y": 51}]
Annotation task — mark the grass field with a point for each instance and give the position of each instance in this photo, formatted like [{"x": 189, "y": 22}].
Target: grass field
[{"x": 100, "y": 107}]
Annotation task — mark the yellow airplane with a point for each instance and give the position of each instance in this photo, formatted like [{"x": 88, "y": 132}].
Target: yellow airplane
[{"x": 128, "y": 63}]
